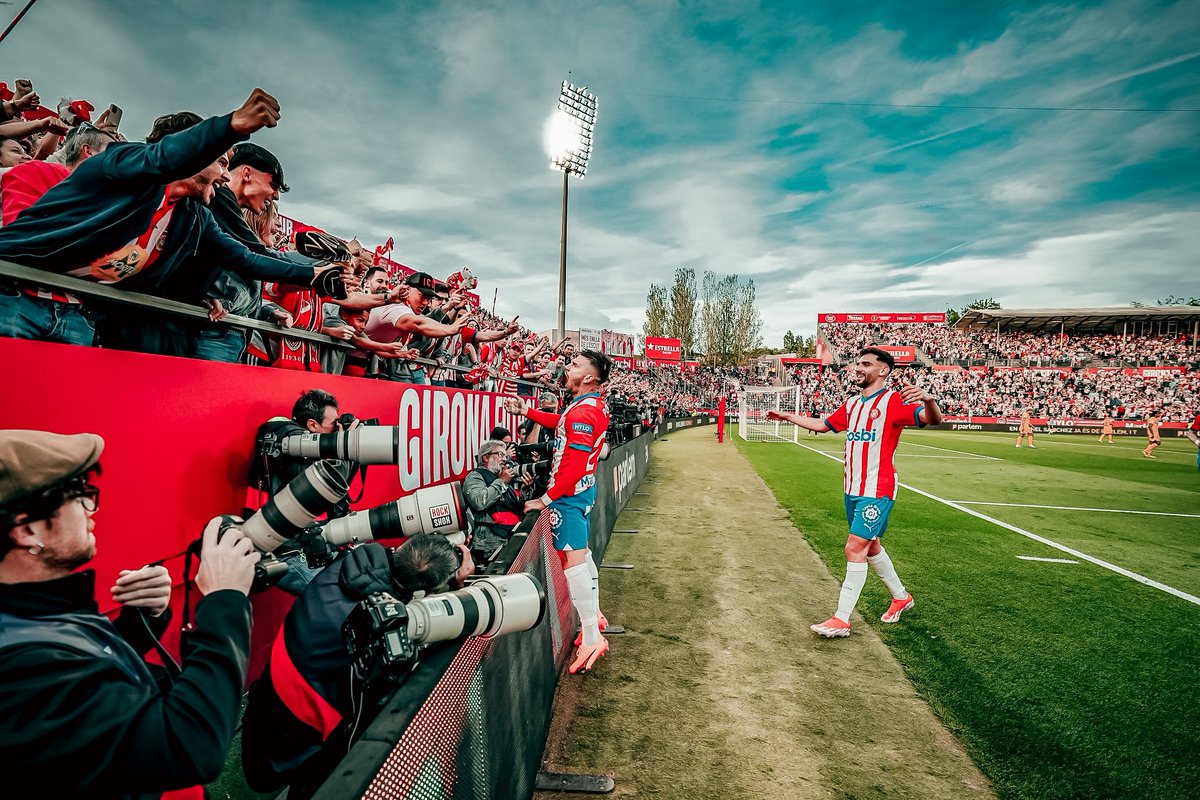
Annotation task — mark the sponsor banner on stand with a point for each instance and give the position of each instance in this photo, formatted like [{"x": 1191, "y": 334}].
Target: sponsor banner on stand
[
  {"x": 662, "y": 349},
  {"x": 616, "y": 344},
  {"x": 1160, "y": 372},
  {"x": 901, "y": 352},
  {"x": 869, "y": 318},
  {"x": 590, "y": 339}
]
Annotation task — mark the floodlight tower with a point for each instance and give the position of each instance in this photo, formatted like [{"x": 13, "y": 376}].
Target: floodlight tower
[{"x": 569, "y": 143}]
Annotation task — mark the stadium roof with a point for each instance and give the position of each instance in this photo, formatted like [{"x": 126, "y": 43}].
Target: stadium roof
[{"x": 1099, "y": 319}]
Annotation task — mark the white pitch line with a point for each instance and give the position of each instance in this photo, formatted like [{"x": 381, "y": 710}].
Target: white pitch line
[
  {"x": 1191, "y": 598},
  {"x": 948, "y": 450},
  {"x": 1077, "y": 508},
  {"x": 1049, "y": 560}
]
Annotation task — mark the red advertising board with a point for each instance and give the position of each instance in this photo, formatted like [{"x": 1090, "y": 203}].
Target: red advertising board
[
  {"x": 179, "y": 433},
  {"x": 661, "y": 349},
  {"x": 1160, "y": 372},
  {"x": 868, "y": 318},
  {"x": 903, "y": 353},
  {"x": 629, "y": 362}
]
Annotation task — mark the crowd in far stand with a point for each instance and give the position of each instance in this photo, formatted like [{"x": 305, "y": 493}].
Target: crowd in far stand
[{"x": 948, "y": 345}]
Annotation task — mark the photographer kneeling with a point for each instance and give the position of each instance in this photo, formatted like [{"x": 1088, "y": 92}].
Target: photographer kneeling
[
  {"x": 496, "y": 503},
  {"x": 299, "y": 718},
  {"x": 82, "y": 713}
]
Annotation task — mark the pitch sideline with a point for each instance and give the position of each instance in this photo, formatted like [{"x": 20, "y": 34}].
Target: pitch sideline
[{"x": 1171, "y": 590}]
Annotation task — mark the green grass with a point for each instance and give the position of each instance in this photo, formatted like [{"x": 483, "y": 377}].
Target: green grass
[{"x": 1062, "y": 680}]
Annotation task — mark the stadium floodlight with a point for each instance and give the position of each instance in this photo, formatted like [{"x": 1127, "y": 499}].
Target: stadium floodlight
[{"x": 569, "y": 144}]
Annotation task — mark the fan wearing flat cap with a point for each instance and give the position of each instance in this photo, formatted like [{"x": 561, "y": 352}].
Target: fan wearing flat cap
[{"x": 82, "y": 713}]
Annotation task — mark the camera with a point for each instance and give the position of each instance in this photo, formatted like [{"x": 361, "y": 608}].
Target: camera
[
  {"x": 434, "y": 509},
  {"x": 346, "y": 420},
  {"x": 543, "y": 449},
  {"x": 309, "y": 495},
  {"x": 384, "y": 635},
  {"x": 366, "y": 444},
  {"x": 538, "y": 469}
]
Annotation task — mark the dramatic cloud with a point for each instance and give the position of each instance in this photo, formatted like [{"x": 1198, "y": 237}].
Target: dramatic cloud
[{"x": 863, "y": 157}]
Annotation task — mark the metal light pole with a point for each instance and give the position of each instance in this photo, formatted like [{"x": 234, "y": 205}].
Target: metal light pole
[{"x": 569, "y": 143}]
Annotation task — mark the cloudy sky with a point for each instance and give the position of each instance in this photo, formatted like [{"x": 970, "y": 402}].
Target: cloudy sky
[{"x": 847, "y": 156}]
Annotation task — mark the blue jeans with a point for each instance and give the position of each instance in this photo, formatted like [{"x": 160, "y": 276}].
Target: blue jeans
[
  {"x": 219, "y": 344},
  {"x": 25, "y": 317}
]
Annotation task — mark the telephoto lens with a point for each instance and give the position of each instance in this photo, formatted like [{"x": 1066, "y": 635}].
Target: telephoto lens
[
  {"x": 309, "y": 495},
  {"x": 434, "y": 509},
  {"x": 488, "y": 607},
  {"x": 366, "y": 444}
]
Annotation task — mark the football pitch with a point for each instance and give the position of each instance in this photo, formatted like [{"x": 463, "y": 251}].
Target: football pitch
[{"x": 1056, "y": 629}]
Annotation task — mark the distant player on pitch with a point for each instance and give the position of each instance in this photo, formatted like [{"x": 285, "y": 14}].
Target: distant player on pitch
[
  {"x": 1107, "y": 430},
  {"x": 1153, "y": 435},
  {"x": 872, "y": 422},
  {"x": 1026, "y": 429}
]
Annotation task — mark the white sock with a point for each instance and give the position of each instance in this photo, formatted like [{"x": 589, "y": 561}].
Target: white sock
[
  {"x": 883, "y": 565},
  {"x": 856, "y": 578},
  {"x": 595, "y": 573},
  {"x": 579, "y": 584}
]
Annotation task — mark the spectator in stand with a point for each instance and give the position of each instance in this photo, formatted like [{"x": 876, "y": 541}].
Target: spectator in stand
[
  {"x": 256, "y": 181},
  {"x": 12, "y": 153},
  {"x": 108, "y": 222},
  {"x": 85, "y": 715},
  {"x": 398, "y": 322},
  {"x": 25, "y": 183}
]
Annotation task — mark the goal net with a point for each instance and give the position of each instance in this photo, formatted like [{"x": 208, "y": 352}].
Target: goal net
[{"x": 753, "y": 404}]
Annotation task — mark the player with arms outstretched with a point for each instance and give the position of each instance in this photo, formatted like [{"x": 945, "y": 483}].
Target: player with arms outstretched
[
  {"x": 872, "y": 421},
  {"x": 579, "y": 433}
]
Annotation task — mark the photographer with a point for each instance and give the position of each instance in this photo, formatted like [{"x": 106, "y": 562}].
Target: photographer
[
  {"x": 532, "y": 432},
  {"x": 82, "y": 713},
  {"x": 300, "y": 714},
  {"x": 578, "y": 442},
  {"x": 316, "y": 411},
  {"x": 495, "y": 502}
]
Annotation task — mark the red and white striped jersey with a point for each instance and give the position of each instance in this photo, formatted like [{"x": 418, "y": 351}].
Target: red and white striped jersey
[{"x": 872, "y": 424}]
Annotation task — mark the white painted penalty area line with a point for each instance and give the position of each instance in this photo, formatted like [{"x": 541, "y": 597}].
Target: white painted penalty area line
[
  {"x": 1077, "y": 508},
  {"x": 948, "y": 450},
  {"x": 1162, "y": 587},
  {"x": 1049, "y": 560}
]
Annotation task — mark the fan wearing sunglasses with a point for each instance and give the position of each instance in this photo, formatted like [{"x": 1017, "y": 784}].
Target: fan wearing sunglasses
[{"x": 85, "y": 714}]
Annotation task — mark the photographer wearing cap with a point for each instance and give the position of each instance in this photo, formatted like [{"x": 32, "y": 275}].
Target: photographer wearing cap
[
  {"x": 82, "y": 713},
  {"x": 494, "y": 496},
  {"x": 300, "y": 713}
]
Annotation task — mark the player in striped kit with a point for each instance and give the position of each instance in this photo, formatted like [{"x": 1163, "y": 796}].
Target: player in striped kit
[
  {"x": 579, "y": 434},
  {"x": 872, "y": 421}
]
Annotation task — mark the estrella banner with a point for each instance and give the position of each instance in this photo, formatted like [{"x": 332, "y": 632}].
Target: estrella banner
[{"x": 662, "y": 349}]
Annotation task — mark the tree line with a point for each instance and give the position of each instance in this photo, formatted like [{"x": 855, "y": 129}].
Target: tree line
[{"x": 716, "y": 321}]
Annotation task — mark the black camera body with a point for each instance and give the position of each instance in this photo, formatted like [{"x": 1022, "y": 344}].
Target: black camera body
[
  {"x": 345, "y": 420},
  {"x": 526, "y": 451},
  {"x": 376, "y": 636},
  {"x": 270, "y": 567}
]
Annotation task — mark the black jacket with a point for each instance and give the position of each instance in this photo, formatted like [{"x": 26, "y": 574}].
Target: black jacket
[{"x": 80, "y": 721}]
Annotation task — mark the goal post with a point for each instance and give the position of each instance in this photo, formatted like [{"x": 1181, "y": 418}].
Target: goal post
[{"x": 753, "y": 404}]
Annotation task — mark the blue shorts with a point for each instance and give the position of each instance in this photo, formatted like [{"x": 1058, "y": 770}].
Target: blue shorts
[
  {"x": 868, "y": 516},
  {"x": 569, "y": 520}
]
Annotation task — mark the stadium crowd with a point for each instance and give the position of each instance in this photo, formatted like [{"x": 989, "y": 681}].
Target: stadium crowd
[{"x": 946, "y": 345}]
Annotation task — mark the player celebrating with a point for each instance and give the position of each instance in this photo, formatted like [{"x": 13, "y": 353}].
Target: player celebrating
[
  {"x": 872, "y": 422},
  {"x": 579, "y": 433},
  {"x": 1152, "y": 434},
  {"x": 1026, "y": 429}
]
